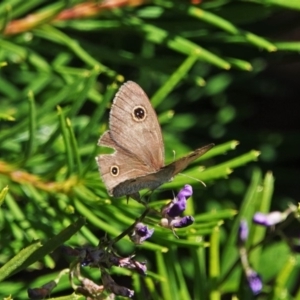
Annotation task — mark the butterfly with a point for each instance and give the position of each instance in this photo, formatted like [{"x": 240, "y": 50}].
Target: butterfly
[{"x": 135, "y": 135}]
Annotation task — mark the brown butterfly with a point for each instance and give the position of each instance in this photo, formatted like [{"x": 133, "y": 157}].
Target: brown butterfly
[{"x": 135, "y": 135}]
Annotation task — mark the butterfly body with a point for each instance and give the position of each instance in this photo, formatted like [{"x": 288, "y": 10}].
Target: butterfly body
[{"x": 135, "y": 135}]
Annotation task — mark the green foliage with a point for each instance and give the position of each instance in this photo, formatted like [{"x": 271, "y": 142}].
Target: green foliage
[{"x": 61, "y": 64}]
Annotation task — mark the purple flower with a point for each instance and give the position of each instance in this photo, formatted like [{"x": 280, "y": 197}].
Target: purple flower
[
  {"x": 172, "y": 211},
  {"x": 129, "y": 263},
  {"x": 255, "y": 282},
  {"x": 182, "y": 222},
  {"x": 269, "y": 219},
  {"x": 112, "y": 287},
  {"x": 243, "y": 231},
  {"x": 38, "y": 293},
  {"x": 177, "y": 206},
  {"x": 42, "y": 292},
  {"x": 141, "y": 233}
]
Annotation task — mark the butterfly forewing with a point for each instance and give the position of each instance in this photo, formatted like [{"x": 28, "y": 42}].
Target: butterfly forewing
[{"x": 134, "y": 126}]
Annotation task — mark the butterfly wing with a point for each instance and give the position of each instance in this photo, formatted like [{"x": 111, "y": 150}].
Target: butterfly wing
[
  {"x": 134, "y": 126},
  {"x": 117, "y": 167},
  {"x": 165, "y": 174},
  {"x": 180, "y": 164}
]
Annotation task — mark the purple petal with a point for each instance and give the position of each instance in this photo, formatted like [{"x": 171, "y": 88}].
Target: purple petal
[
  {"x": 270, "y": 219},
  {"x": 141, "y": 267},
  {"x": 185, "y": 192},
  {"x": 182, "y": 222},
  {"x": 141, "y": 229},
  {"x": 255, "y": 282},
  {"x": 243, "y": 231},
  {"x": 177, "y": 208},
  {"x": 179, "y": 203},
  {"x": 147, "y": 235},
  {"x": 141, "y": 233}
]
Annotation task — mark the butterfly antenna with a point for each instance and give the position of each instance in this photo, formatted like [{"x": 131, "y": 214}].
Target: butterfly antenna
[
  {"x": 174, "y": 155},
  {"x": 174, "y": 233},
  {"x": 173, "y": 194},
  {"x": 193, "y": 178}
]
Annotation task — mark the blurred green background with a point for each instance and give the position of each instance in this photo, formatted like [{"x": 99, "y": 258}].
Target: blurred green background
[{"x": 216, "y": 71}]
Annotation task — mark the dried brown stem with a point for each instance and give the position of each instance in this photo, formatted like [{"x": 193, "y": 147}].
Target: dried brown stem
[{"x": 80, "y": 11}]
